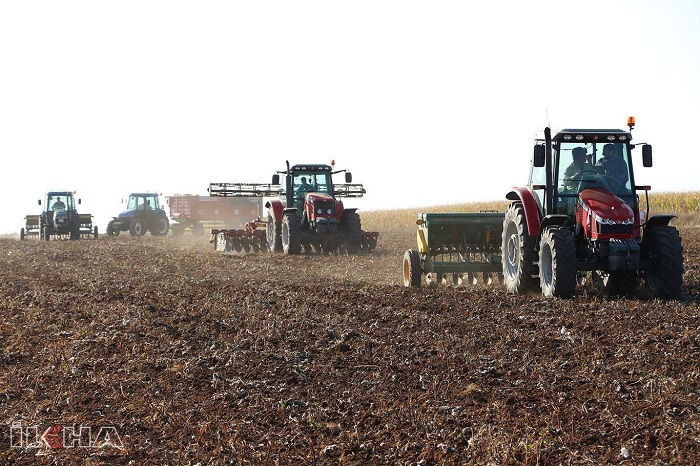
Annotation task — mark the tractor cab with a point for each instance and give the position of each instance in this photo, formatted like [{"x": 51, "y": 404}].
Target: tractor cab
[
  {"x": 303, "y": 179},
  {"x": 59, "y": 201},
  {"x": 142, "y": 202},
  {"x": 581, "y": 165}
]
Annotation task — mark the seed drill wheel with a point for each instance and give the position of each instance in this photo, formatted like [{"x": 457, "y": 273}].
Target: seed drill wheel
[
  {"x": 411, "y": 268},
  {"x": 245, "y": 244},
  {"x": 21, "y": 234},
  {"x": 95, "y": 232},
  {"x": 520, "y": 269},
  {"x": 665, "y": 252},
  {"x": 557, "y": 263}
]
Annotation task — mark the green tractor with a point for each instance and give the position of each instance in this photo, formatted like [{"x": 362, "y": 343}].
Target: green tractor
[{"x": 143, "y": 213}]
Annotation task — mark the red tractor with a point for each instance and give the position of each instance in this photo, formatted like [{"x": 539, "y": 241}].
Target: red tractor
[
  {"x": 307, "y": 215},
  {"x": 580, "y": 219}
]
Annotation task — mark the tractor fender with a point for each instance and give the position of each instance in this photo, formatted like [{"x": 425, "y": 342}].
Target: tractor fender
[
  {"x": 552, "y": 220},
  {"x": 349, "y": 211},
  {"x": 532, "y": 212},
  {"x": 275, "y": 207},
  {"x": 659, "y": 220}
]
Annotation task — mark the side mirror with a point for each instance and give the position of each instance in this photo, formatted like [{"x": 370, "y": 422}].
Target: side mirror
[
  {"x": 39, "y": 202},
  {"x": 538, "y": 156},
  {"x": 348, "y": 177},
  {"x": 80, "y": 201},
  {"x": 276, "y": 178},
  {"x": 646, "y": 155}
]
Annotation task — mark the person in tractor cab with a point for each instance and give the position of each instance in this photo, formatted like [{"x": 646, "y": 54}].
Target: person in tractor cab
[
  {"x": 58, "y": 205},
  {"x": 147, "y": 205},
  {"x": 613, "y": 169},
  {"x": 304, "y": 187},
  {"x": 572, "y": 174}
]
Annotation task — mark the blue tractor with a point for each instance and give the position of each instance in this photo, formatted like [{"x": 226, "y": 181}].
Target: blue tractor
[{"x": 143, "y": 213}]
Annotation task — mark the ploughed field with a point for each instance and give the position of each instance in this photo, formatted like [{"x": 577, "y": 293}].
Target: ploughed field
[{"x": 190, "y": 356}]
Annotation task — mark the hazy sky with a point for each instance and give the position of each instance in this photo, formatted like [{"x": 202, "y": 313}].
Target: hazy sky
[{"x": 426, "y": 102}]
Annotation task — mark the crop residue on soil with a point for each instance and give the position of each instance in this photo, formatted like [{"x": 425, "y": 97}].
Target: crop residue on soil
[{"x": 193, "y": 356}]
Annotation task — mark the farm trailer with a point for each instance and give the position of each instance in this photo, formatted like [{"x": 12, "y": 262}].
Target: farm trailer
[{"x": 195, "y": 213}]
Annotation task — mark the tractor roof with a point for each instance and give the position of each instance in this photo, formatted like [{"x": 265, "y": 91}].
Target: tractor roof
[
  {"x": 143, "y": 194},
  {"x": 311, "y": 167},
  {"x": 588, "y": 135},
  {"x": 60, "y": 193}
]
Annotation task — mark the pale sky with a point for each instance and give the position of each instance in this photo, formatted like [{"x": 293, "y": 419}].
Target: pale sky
[{"x": 425, "y": 102}]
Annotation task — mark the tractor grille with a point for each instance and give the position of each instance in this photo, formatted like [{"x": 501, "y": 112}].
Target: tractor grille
[
  {"x": 325, "y": 207},
  {"x": 616, "y": 229}
]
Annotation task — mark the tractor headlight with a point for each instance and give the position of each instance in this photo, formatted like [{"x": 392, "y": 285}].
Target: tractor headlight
[
  {"x": 329, "y": 211},
  {"x": 319, "y": 211}
]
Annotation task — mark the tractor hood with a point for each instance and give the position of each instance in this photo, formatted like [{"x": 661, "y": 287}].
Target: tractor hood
[
  {"x": 605, "y": 207},
  {"x": 315, "y": 197},
  {"x": 127, "y": 213}
]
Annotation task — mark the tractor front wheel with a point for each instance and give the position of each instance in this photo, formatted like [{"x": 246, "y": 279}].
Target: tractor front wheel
[
  {"x": 557, "y": 263},
  {"x": 274, "y": 234},
  {"x": 664, "y": 279},
  {"x": 412, "y": 271},
  {"x": 519, "y": 257},
  {"x": 291, "y": 233},
  {"x": 46, "y": 233},
  {"x": 136, "y": 227}
]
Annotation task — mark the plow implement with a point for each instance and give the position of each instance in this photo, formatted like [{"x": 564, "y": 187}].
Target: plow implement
[{"x": 455, "y": 248}]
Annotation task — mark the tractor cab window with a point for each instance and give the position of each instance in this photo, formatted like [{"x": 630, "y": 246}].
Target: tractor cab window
[
  {"x": 303, "y": 183},
  {"x": 60, "y": 202},
  {"x": 582, "y": 165}
]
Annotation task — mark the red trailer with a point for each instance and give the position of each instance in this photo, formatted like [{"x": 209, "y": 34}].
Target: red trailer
[{"x": 197, "y": 213}]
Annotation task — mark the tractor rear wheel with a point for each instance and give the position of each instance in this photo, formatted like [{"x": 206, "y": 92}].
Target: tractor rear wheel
[
  {"x": 159, "y": 226},
  {"x": 557, "y": 263},
  {"x": 75, "y": 233},
  {"x": 352, "y": 231},
  {"x": 519, "y": 257},
  {"x": 197, "y": 229},
  {"x": 411, "y": 268},
  {"x": 291, "y": 233},
  {"x": 136, "y": 227},
  {"x": 664, "y": 279},
  {"x": 274, "y": 234}
]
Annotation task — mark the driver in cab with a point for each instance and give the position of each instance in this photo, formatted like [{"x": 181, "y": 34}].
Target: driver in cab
[{"x": 573, "y": 173}]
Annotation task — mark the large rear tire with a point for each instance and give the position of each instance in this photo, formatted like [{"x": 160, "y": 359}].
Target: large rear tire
[
  {"x": 519, "y": 257},
  {"x": 197, "y": 229},
  {"x": 557, "y": 263},
  {"x": 274, "y": 234},
  {"x": 664, "y": 279},
  {"x": 136, "y": 227},
  {"x": 291, "y": 233},
  {"x": 351, "y": 227},
  {"x": 412, "y": 270},
  {"x": 160, "y": 226}
]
